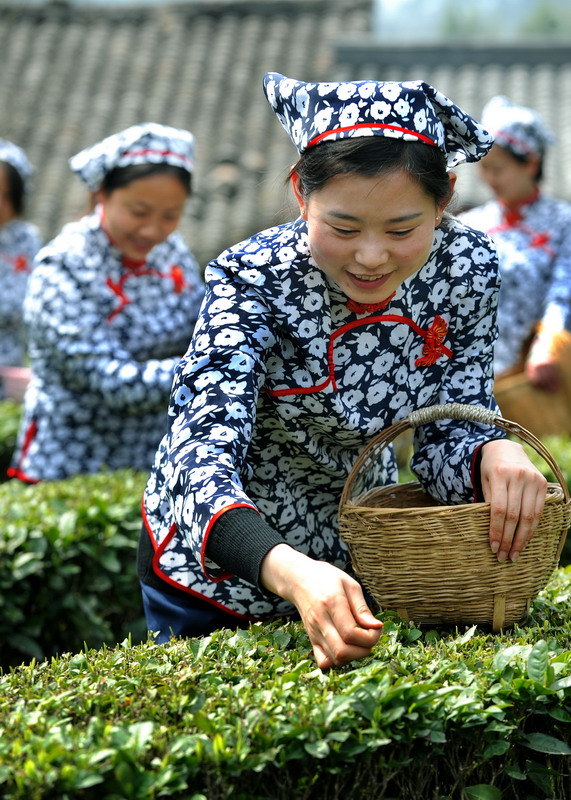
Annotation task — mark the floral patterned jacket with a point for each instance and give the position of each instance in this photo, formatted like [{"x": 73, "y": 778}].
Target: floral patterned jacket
[
  {"x": 534, "y": 252},
  {"x": 19, "y": 243},
  {"x": 283, "y": 385},
  {"x": 104, "y": 338}
]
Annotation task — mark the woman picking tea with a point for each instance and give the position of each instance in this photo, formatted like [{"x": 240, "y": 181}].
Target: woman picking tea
[{"x": 314, "y": 336}]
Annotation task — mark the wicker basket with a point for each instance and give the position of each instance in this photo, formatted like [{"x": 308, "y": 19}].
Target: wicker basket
[
  {"x": 432, "y": 563},
  {"x": 539, "y": 412}
]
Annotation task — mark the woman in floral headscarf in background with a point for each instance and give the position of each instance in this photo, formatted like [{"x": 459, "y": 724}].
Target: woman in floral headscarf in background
[
  {"x": 532, "y": 233},
  {"x": 315, "y": 335},
  {"x": 110, "y": 309},
  {"x": 19, "y": 243}
]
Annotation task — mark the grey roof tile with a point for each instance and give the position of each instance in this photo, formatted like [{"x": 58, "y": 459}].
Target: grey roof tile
[{"x": 71, "y": 76}]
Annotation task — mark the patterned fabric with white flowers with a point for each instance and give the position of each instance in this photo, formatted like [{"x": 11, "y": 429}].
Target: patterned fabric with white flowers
[
  {"x": 413, "y": 111},
  {"x": 14, "y": 155},
  {"x": 534, "y": 251},
  {"x": 283, "y": 385},
  {"x": 517, "y": 128},
  {"x": 104, "y": 339},
  {"x": 19, "y": 243},
  {"x": 147, "y": 143}
]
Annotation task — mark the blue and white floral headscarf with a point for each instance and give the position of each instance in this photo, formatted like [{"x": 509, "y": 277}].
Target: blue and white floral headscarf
[
  {"x": 516, "y": 128},
  {"x": 15, "y": 156},
  {"x": 413, "y": 111},
  {"x": 147, "y": 143}
]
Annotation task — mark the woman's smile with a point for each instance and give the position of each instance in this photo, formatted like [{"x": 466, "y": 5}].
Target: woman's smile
[
  {"x": 369, "y": 234},
  {"x": 367, "y": 281}
]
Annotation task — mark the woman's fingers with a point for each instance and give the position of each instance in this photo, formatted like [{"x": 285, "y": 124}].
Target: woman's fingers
[
  {"x": 516, "y": 492},
  {"x": 340, "y": 626},
  {"x": 331, "y": 604},
  {"x": 530, "y": 514}
]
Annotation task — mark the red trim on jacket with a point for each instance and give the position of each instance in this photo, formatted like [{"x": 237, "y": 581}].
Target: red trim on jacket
[
  {"x": 207, "y": 534},
  {"x": 160, "y": 548},
  {"x": 432, "y": 350},
  {"x": 12, "y": 472},
  {"x": 475, "y": 483},
  {"x": 19, "y": 263},
  {"x": 514, "y": 218},
  {"x": 17, "y": 472},
  {"x": 176, "y": 274}
]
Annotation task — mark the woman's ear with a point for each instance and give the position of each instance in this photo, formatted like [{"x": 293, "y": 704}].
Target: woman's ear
[
  {"x": 442, "y": 205},
  {"x": 533, "y": 163},
  {"x": 298, "y": 192}
]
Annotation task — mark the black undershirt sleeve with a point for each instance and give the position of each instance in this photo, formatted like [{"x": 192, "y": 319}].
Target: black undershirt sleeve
[{"x": 239, "y": 541}]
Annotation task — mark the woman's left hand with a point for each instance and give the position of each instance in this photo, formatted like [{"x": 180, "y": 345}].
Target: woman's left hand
[
  {"x": 541, "y": 367},
  {"x": 516, "y": 491}
]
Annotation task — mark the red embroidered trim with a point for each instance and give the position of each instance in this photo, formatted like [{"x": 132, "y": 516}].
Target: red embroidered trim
[
  {"x": 160, "y": 548},
  {"x": 117, "y": 288},
  {"x": 473, "y": 473},
  {"x": 17, "y": 472},
  {"x": 163, "y": 153},
  {"x": 176, "y": 274},
  {"x": 209, "y": 527},
  {"x": 368, "y": 308},
  {"x": 370, "y": 126},
  {"x": 19, "y": 263},
  {"x": 513, "y": 218},
  {"x": 133, "y": 263},
  {"x": 436, "y": 349},
  {"x": 433, "y": 347},
  {"x": 21, "y": 476}
]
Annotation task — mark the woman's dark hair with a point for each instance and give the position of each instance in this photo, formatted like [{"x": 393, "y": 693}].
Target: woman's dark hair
[
  {"x": 524, "y": 159},
  {"x": 16, "y": 190},
  {"x": 372, "y": 156},
  {"x": 123, "y": 176}
]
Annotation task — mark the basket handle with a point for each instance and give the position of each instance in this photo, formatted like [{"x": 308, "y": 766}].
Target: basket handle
[{"x": 460, "y": 411}]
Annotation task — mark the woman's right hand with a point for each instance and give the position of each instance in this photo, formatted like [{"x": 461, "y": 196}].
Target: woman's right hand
[{"x": 331, "y": 604}]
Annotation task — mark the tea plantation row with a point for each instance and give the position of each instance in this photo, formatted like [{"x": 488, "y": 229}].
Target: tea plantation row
[{"x": 98, "y": 712}]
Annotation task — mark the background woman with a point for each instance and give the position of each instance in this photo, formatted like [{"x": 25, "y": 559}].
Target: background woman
[
  {"x": 314, "y": 336},
  {"x": 110, "y": 309},
  {"x": 532, "y": 233},
  {"x": 19, "y": 243}
]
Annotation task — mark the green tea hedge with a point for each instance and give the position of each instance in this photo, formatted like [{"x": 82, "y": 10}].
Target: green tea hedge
[
  {"x": 10, "y": 414},
  {"x": 67, "y": 561},
  {"x": 248, "y": 716},
  {"x": 560, "y": 449},
  {"x": 67, "y": 564}
]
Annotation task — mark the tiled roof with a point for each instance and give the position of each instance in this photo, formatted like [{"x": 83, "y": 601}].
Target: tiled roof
[
  {"x": 73, "y": 75},
  {"x": 532, "y": 73}
]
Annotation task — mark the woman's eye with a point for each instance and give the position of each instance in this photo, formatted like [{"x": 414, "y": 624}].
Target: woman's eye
[
  {"x": 400, "y": 234},
  {"x": 343, "y": 231}
]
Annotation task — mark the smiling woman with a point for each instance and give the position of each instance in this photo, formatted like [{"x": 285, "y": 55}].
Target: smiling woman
[
  {"x": 386, "y": 329},
  {"x": 110, "y": 310},
  {"x": 19, "y": 243}
]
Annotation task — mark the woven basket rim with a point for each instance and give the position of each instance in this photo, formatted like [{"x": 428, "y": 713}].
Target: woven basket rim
[{"x": 554, "y": 494}]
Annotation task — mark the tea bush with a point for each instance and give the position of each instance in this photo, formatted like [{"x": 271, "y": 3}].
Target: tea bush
[
  {"x": 454, "y": 714},
  {"x": 67, "y": 564},
  {"x": 560, "y": 449},
  {"x": 10, "y": 414}
]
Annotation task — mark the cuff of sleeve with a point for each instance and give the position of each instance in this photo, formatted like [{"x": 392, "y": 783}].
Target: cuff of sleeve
[
  {"x": 239, "y": 541},
  {"x": 475, "y": 471},
  {"x": 476, "y": 476}
]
